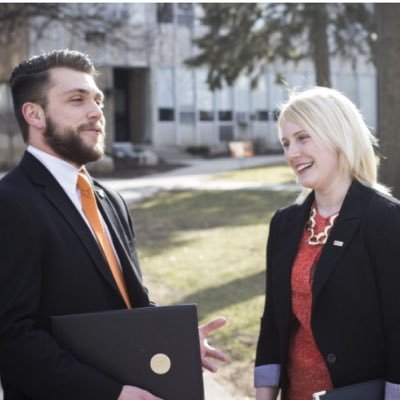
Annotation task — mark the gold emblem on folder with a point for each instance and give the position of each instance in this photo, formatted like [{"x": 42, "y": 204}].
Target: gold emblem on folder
[{"x": 160, "y": 363}]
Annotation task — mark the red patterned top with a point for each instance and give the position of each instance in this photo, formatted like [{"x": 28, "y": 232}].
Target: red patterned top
[{"x": 307, "y": 370}]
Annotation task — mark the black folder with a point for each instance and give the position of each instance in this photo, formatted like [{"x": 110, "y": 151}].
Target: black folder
[
  {"x": 154, "y": 348},
  {"x": 371, "y": 390}
]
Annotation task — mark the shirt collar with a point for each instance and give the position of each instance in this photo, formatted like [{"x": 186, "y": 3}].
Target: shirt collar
[{"x": 65, "y": 173}]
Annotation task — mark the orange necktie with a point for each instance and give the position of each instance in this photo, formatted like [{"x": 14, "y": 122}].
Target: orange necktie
[{"x": 92, "y": 213}]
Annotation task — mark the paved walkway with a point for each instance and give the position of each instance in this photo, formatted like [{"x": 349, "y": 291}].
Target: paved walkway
[{"x": 197, "y": 174}]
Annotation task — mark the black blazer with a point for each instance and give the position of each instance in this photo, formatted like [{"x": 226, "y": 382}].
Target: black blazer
[
  {"x": 50, "y": 264},
  {"x": 355, "y": 315}
]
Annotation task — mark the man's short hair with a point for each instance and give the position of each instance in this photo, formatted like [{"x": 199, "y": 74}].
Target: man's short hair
[{"x": 30, "y": 80}]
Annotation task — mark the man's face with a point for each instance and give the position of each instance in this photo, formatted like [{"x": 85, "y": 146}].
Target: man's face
[{"x": 74, "y": 119}]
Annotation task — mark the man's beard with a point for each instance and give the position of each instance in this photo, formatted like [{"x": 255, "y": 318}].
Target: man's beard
[{"x": 68, "y": 143}]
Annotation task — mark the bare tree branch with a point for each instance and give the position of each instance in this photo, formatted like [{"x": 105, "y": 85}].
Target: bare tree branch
[{"x": 107, "y": 22}]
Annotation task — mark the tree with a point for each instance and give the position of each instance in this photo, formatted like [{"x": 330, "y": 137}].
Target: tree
[
  {"x": 388, "y": 65},
  {"x": 243, "y": 37},
  {"x": 94, "y": 23},
  {"x": 75, "y": 17}
]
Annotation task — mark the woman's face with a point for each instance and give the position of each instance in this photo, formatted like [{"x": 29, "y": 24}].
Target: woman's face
[{"x": 315, "y": 165}]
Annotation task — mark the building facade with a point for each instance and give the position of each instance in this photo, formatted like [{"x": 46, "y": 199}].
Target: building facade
[{"x": 154, "y": 100}]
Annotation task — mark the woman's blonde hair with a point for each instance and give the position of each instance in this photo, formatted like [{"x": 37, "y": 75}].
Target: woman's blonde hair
[{"x": 334, "y": 121}]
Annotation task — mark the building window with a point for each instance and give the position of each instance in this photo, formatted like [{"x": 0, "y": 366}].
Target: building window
[
  {"x": 225, "y": 115},
  {"x": 242, "y": 118},
  {"x": 262, "y": 115},
  {"x": 165, "y": 13},
  {"x": 275, "y": 115},
  {"x": 165, "y": 97},
  {"x": 205, "y": 97},
  {"x": 224, "y": 103},
  {"x": 242, "y": 95},
  {"x": 185, "y": 14},
  {"x": 259, "y": 99},
  {"x": 206, "y": 115},
  {"x": 226, "y": 133},
  {"x": 187, "y": 117},
  {"x": 166, "y": 114},
  {"x": 185, "y": 83},
  {"x": 95, "y": 37}
]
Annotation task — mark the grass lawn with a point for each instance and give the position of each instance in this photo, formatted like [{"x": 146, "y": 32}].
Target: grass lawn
[
  {"x": 275, "y": 174},
  {"x": 209, "y": 248}
]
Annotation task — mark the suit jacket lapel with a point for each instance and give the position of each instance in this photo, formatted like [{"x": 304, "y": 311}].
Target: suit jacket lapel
[
  {"x": 131, "y": 272},
  {"x": 290, "y": 231},
  {"x": 340, "y": 237},
  {"x": 58, "y": 198}
]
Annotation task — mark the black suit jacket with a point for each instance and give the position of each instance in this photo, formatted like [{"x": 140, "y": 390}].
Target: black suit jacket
[
  {"x": 50, "y": 264},
  {"x": 355, "y": 317}
]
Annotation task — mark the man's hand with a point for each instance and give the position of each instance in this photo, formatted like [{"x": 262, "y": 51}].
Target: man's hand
[
  {"x": 206, "y": 350},
  {"x": 134, "y": 393}
]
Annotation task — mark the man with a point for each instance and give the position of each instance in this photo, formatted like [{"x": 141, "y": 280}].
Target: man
[{"x": 54, "y": 259}]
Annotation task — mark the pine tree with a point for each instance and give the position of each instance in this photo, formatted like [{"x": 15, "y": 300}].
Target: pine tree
[{"x": 244, "y": 37}]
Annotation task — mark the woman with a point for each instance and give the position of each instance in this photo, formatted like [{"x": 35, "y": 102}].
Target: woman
[{"x": 332, "y": 312}]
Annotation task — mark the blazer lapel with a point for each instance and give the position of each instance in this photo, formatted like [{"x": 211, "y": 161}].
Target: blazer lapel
[
  {"x": 58, "y": 198},
  {"x": 340, "y": 237},
  {"x": 290, "y": 231},
  {"x": 136, "y": 290}
]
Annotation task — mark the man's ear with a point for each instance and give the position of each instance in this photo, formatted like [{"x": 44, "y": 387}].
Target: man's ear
[{"x": 34, "y": 115}]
